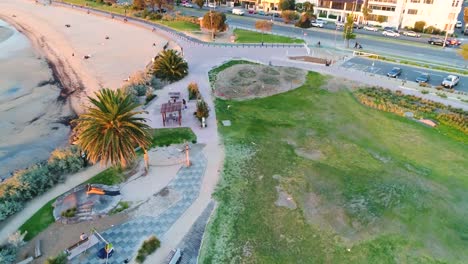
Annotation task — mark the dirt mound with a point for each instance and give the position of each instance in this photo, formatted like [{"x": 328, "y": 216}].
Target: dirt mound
[{"x": 246, "y": 81}]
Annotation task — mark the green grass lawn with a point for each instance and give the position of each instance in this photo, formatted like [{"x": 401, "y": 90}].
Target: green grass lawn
[
  {"x": 247, "y": 36},
  {"x": 168, "y": 136},
  {"x": 370, "y": 186},
  {"x": 44, "y": 217},
  {"x": 104, "y": 7},
  {"x": 180, "y": 25}
]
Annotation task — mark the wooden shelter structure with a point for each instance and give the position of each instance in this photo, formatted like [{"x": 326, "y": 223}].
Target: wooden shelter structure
[{"x": 171, "y": 108}]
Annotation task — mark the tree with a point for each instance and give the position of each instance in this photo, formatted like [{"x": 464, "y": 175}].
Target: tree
[
  {"x": 199, "y": 3},
  {"x": 419, "y": 26},
  {"x": 170, "y": 66},
  {"x": 288, "y": 16},
  {"x": 465, "y": 15},
  {"x": 111, "y": 128},
  {"x": 263, "y": 25},
  {"x": 366, "y": 11},
  {"x": 348, "y": 30},
  {"x": 287, "y": 5},
  {"x": 139, "y": 4},
  {"x": 463, "y": 51},
  {"x": 304, "y": 21},
  {"x": 214, "y": 21},
  {"x": 160, "y": 4},
  {"x": 381, "y": 19},
  {"x": 308, "y": 7}
]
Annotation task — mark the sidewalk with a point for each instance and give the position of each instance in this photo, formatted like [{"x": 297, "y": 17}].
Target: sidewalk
[{"x": 12, "y": 223}]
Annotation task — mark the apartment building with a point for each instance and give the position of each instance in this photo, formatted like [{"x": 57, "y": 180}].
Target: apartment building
[{"x": 441, "y": 14}]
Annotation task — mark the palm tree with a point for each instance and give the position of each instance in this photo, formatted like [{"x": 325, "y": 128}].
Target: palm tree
[
  {"x": 110, "y": 129},
  {"x": 170, "y": 66}
]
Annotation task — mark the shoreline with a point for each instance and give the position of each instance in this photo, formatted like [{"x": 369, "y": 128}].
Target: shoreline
[{"x": 64, "y": 76}]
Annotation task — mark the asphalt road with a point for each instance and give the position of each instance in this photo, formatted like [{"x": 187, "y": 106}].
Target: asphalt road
[
  {"x": 409, "y": 73},
  {"x": 333, "y": 39}
]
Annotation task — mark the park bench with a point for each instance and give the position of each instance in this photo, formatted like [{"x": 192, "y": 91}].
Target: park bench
[{"x": 37, "y": 249}]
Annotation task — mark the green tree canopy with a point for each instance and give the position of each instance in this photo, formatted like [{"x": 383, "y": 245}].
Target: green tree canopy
[
  {"x": 289, "y": 16},
  {"x": 287, "y": 4},
  {"x": 199, "y": 3},
  {"x": 139, "y": 4},
  {"x": 170, "y": 66},
  {"x": 111, "y": 128},
  {"x": 348, "y": 30}
]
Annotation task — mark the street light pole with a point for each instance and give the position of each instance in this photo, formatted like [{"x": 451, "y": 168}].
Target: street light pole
[{"x": 211, "y": 22}]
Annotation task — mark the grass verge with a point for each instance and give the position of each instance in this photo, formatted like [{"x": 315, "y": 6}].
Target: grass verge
[
  {"x": 168, "y": 136},
  {"x": 248, "y": 36},
  {"x": 180, "y": 25},
  {"x": 363, "y": 186}
]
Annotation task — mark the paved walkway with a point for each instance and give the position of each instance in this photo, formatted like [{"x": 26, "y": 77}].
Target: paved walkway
[
  {"x": 14, "y": 222},
  {"x": 128, "y": 237}
]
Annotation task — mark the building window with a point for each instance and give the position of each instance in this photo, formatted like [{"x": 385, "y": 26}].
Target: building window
[
  {"x": 415, "y": 1},
  {"x": 412, "y": 11},
  {"x": 455, "y": 3},
  {"x": 429, "y": 2}
]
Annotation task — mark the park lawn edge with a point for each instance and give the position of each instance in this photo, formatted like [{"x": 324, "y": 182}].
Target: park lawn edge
[{"x": 250, "y": 36}]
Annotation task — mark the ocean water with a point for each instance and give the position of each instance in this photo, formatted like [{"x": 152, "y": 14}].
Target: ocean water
[{"x": 30, "y": 114}]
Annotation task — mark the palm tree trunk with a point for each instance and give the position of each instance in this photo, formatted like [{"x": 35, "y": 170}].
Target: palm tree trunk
[{"x": 146, "y": 158}]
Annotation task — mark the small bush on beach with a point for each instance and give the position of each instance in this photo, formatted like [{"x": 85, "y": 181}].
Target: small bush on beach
[
  {"x": 202, "y": 109},
  {"x": 7, "y": 254},
  {"x": 170, "y": 66},
  {"x": 149, "y": 246}
]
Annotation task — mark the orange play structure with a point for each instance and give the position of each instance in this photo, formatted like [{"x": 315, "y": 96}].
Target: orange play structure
[{"x": 94, "y": 190}]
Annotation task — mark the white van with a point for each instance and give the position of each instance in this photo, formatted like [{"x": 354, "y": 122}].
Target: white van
[{"x": 238, "y": 11}]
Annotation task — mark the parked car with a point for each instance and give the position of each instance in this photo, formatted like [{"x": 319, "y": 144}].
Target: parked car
[
  {"x": 411, "y": 34},
  {"x": 371, "y": 28},
  {"x": 450, "y": 81},
  {"x": 238, "y": 11},
  {"x": 187, "y": 4},
  {"x": 390, "y": 28},
  {"x": 454, "y": 42},
  {"x": 395, "y": 72},
  {"x": 437, "y": 41},
  {"x": 317, "y": 23},
  {"x": 458, "y": 24},
  {"x": 212, "y": 5},
  {"x": 251, "y": 11},
  {"x": 423, "y": 78},
  {"x": 339, "y": 24},
  {"x": 358, "y": 26},
  {"x": 261, "y": 12},
  {"x": 390, "y": 33}
]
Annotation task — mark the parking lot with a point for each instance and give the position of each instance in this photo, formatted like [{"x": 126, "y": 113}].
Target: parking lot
[{"x": 409, "y": 73}]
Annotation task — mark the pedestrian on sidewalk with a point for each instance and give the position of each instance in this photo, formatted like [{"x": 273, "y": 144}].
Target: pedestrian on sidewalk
[{"x": 184, "y": 103}]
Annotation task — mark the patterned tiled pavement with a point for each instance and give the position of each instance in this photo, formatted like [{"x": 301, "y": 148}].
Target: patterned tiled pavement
[{"x": 128, "y": 236}]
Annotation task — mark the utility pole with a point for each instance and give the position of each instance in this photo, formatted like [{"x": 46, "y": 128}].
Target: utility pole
[
  {"x": 451, "y": 24},
  {"x": 211, "y": 22}
]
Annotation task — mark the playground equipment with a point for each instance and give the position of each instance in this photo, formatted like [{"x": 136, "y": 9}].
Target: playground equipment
[
  {"x": 100, "y": 191},
  {"x": 88, "y": 241}
]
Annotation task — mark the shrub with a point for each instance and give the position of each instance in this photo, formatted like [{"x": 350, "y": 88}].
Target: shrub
[
  {"x": 202, "y": 109},
  {"x": 140, "y": 89},
  {"x": 59, "y": 259},
  {"x": 304, "y": 21},
  {"x": 155, "y": 16},
  {"x": 424, "y": 91},
  {"x": 7, "y": 254},
  {"x": 149, "y": 246},
  {"x": 439, "y": 87},
  {"x": 419, "y": 26},
  {"x": 120, "y": 207},
  {"x": 168, "y": 17},
  {"x": 170, "y": 66},
  {"x": 289, "y": 16},
  {"x": 28, "y": 183},
  {"x": 149, "y": 97},
  {"x": 193, "y": 91},
  {"x": 71, "y": 212}
]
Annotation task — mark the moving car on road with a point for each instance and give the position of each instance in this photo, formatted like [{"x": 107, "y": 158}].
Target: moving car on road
[
  {"x": 238, "y": 11},
  {"x": 459, "y": 24},
  {"x": 450, "y": 81},
  {"x": 371, "y": 28},
  {"x": 437, "y": 41},
  {"x": 261, "y": 13},
  {"x": 411, "y": 34},
  {"x": 395, "y": 72},
  {"x": 391, "y": 33},
  {"x": 423, "y": 78},
  {"x": 453, "y": 42}
]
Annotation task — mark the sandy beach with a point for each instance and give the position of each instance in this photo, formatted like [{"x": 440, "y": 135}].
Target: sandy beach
[{"x": 60, "y": 50}]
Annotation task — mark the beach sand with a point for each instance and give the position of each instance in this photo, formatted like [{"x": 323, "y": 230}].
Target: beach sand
[{"x": 61, "y": 48}]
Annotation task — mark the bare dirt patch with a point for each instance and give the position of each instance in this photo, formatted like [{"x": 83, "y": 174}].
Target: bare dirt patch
[
  {"x": 308, "y": 154},
  {"x": 284, "y": 199},
  {"x": 59, "y": 236},
  {"x": 309, "y": 59},
  {"x": 246, "y": 81},
  {"x": 334, "y": 84}
]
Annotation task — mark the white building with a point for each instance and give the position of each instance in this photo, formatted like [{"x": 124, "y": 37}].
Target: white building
[{"x": 441, "y": 14}]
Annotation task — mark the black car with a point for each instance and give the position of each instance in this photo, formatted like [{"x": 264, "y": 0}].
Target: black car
[
  {"x": 437, "y": 41},
  {"x": 395, "y": 72},
  {"x": 390, "y": 29},
  {"x": 358, "y": 26},
  {"x": 423, "y": 78}
]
